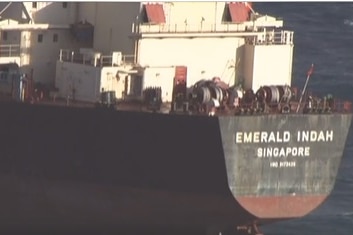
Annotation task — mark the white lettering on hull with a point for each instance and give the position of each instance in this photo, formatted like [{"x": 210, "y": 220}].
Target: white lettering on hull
[
  {"x": 288, "y": 144},
  {"x": 282, "y": 136},
  {"x": 284, "y": 164},
  {"x": 283, "y": 152},
  {"x": 315, "y": 136},
  {"x": 262, "y": 137}
]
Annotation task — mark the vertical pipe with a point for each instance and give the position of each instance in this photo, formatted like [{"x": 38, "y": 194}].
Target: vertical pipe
[{"x": 215, "y": 16}]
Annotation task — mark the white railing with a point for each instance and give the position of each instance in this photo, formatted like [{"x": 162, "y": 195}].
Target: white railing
[
  {"x": 182, "y": 28},
  {"x": 280, "y": 37},
  {"x": 107, "y": 60},
  {"x": 255, "y": 32},
  {"x": 9, "y": 50},
  {"x": 247, "y": 26},
  {"x": 272, "y": 38},
  {"x": 72, "y": 56}
]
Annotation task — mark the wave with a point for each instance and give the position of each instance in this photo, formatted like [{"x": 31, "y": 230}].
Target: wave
[
  {"x": 329, "y": 215},
  {"x": 348, "y": 216},
  {"x": 348, "y": 22},
  {"x": 345, "y": 180},
  {"x": 350, "y": 213}
]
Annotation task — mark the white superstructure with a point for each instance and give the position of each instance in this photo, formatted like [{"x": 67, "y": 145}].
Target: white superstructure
[{"x": 136, "y": 45}]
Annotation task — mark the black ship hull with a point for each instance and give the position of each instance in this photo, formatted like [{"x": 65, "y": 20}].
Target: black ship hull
[{"x": 68, "y": 169}]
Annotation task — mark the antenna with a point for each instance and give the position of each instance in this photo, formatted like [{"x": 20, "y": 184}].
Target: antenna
[{"x": 311, "y": 70}]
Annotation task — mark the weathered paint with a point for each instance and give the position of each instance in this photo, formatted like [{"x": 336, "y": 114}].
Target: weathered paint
[
  {"x": 78, "y": 81},
  {"x": 304, "y": 153},
  {"x": 88, "y": 81},
  {"x": 274, "y": 207},
  {"x": 160, "y": 77}
]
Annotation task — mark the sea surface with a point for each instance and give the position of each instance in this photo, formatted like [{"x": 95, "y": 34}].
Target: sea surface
[{"x": 323, "y": 36}]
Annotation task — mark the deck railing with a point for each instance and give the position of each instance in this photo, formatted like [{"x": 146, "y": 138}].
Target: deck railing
[
  {"x": 10, "y": 50},
  {"x": 95, "y": 59},
  {"x": 204, "y": 27},
  {"x": 184, "y": 28},
  {"x": 259, "y": 36},
  {"x": 107, "y": 60},
  {"x": 282, "y": 37}
]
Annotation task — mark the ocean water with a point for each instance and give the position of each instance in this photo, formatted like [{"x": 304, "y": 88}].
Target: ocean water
[{"x": 323, "y": 35}]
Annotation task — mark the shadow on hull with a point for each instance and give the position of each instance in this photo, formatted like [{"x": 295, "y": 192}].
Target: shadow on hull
[
  {"x": 87, "y": 168},
  {"x": 84, "y": 169}
]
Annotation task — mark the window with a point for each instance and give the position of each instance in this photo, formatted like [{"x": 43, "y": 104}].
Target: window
[
  {"x": 40, "y": 37},
  {"x": 55, "y": 37},
  {"x": 64, "y": 4},
  {"x": 34, "y": 4},
  {"x": 4, "y": 35}
]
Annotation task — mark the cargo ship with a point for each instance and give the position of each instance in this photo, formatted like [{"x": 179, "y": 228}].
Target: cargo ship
[{"x": 150, "y": 146}]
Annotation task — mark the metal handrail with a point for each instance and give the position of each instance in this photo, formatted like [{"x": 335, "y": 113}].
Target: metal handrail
[
  {"x": 200, "y": 27},
  {"x": 246, "y": 29},
  {"x": 9, "y": 50},
  {"x": 68, "y": 55}
]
